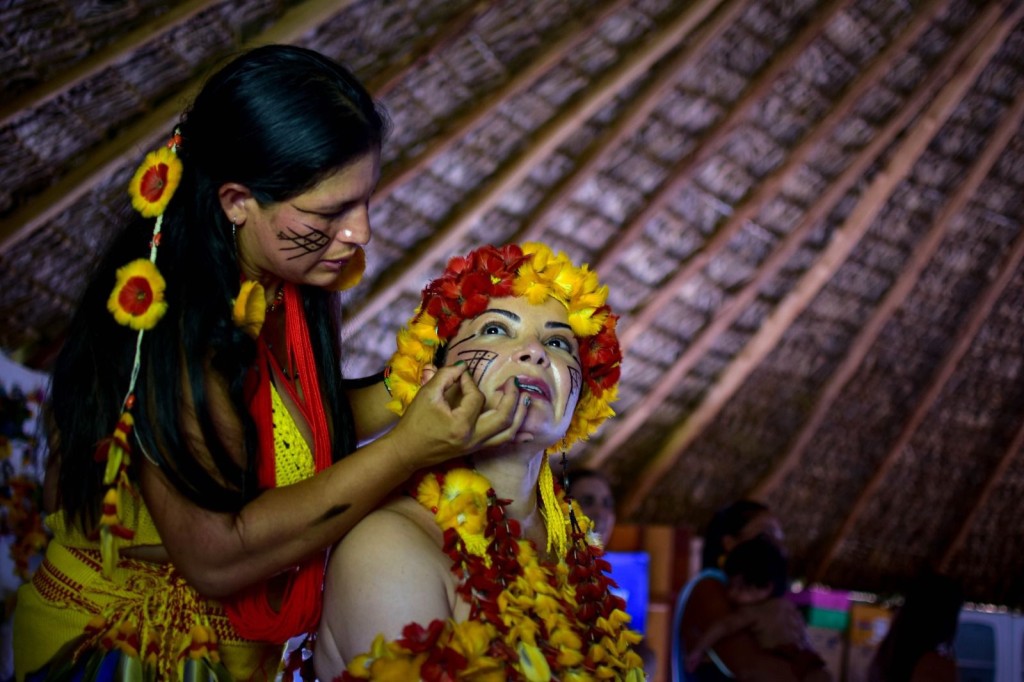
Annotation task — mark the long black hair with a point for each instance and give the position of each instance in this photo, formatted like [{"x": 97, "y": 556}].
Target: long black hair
[
  {"x": 727, "y": 522},
  {"x": 277, "y": 119}
]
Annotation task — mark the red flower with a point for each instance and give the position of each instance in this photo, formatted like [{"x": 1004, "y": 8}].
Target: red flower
[{"x": 418, "y": 639}]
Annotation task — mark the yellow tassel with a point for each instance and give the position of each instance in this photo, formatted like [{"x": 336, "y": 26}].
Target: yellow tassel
[{"x": 554, "y": 519}]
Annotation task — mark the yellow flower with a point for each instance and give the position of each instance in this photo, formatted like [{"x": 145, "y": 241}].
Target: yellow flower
[
  {"x": 155, "y": 181},
  {"x": 138, "y": 297},
  {"x": 397, "y": 670},
  {"x": 472, "y": 639},
  {"x": 352, "y": 272},
  {"x": 459, "y": 482},
  {"x": 532, "y": 663},
  {"x": 429, "y": 492},
  {"x": 250, "y": 308}
]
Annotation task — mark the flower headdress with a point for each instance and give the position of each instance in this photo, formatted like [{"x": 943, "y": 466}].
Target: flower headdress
[
  {"x": 137, "y": 301},
  {"x": 532, "y": 271}
]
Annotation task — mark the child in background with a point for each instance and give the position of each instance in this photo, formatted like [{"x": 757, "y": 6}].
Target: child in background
[{"x": 757, "y": 587}]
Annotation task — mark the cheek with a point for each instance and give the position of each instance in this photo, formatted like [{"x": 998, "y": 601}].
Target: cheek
[{"x": 297, "y": 239}]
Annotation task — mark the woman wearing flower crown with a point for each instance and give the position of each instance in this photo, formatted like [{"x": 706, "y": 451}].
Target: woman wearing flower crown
[
  {"x": 483, "y": 570},
  {"x": 199, "y": 391}
]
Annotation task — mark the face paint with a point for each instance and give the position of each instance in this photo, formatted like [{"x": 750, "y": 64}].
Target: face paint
[
  {"x": 478, "y": 362},
  {"x": 311, "y": 242},
  {"x": 532, "y": 344}
]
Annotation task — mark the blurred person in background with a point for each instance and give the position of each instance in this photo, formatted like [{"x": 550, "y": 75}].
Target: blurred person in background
[{"x": 919, "y": 644}]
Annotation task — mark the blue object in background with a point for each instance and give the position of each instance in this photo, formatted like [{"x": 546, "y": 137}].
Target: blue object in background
[{"x": 631, "y": 570}]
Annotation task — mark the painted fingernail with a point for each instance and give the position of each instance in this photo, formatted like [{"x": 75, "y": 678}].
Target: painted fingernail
[
  {"x": 518, "y": 385},
  {"x": 459, "y": 362},
  {"x": 526, "y": 401}
]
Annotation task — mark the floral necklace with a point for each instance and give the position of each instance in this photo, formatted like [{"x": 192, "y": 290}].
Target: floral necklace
[{"x": 530, "y": 619}]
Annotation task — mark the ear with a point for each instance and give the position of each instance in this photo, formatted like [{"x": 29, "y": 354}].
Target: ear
[
  {"x": 427, "y": 373},
  {"x": 234, "y": 199}
]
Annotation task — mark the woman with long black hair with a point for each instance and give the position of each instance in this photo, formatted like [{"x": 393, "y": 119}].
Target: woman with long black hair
[{"x": 206, "y": 450}]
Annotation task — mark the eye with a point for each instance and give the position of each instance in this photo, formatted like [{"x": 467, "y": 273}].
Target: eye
[
  {"x": 560, "y": 342},
  {"x": 494, "y": 329}
]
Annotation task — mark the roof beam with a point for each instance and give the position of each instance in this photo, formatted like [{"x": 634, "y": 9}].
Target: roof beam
[
  {"x": 872, "y": 200},
  {"x": 894, "y": 298},
  {"x": 547, "y": 139},
  {"x": 1005, "y": 460},
  {"x": 145, "y": 133},
  {"x": 385, "y": 82},
  {"x": 940, "y": 377},
  {"x": 648, "y": 99},
  {"x": 687, "y": 167},
  {"x": 769, "y": 186},
  {"x": 573, "y": 34},
  {"x": 99, "y": 61}
]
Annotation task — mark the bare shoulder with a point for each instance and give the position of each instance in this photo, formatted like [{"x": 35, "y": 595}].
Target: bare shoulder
[
  {"x": 388, "y": 571},
  {"x": 400, "y": 521}
]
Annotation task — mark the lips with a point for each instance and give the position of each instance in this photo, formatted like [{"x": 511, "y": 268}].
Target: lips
[
  {"x": 336, "y": 263},
  {"x": 534, "y": 386}
]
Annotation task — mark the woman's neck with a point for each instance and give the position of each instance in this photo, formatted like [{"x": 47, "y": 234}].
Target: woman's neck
[{"x": 514, "y": 477}]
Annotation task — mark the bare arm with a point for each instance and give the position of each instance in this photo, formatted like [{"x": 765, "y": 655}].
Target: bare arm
[
  {"x": 724, "y": 627},
  {"x": 369, "y": 410},
  {"x": 739, "y": 652},
  {"x": 221, "y": 553}
]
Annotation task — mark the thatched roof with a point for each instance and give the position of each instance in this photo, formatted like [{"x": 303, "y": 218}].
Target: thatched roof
[{"x": 809, "y": 212}]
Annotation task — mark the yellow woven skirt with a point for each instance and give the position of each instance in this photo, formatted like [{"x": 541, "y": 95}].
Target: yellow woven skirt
[{"x": 146, "y": 611}]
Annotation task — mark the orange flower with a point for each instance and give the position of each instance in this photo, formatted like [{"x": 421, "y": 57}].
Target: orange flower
[
  {"x": 138, "y": 297},
  {"x": 155, "y": 181}
]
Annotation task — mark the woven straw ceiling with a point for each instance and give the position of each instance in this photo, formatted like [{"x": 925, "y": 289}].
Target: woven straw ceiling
[{"x": 809, "y": 212}]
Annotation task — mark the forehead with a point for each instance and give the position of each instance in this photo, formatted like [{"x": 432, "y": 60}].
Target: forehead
[
  {"x": 356, "y": 178},
  {"x": 550, "y": 311}
]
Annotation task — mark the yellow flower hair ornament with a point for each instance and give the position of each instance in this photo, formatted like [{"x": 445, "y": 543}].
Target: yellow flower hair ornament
[
  {"x": 249, "y": 310},
  {"x": 137, "y": 302}
]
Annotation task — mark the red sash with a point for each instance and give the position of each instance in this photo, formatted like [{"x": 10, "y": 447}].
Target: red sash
[{"x": 249, "y": 610}]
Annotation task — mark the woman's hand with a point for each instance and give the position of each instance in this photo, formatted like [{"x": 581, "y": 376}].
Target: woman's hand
[{"x": 447, "y": 418}]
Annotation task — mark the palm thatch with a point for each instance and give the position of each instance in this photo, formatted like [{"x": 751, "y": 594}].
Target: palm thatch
[{"x": 809, "y": 212}]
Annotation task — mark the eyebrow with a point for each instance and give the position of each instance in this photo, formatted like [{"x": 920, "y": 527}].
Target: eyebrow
[
  {"x": 515, "y": 318},
  {"x": 330, "y": 209}
]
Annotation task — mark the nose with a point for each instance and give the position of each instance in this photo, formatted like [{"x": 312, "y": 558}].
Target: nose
[
  {"x": 356, "y": 229},
  {"x": 534, "y": 352}
]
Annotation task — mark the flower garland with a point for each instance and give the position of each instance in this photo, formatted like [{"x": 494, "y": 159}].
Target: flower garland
[{"x": 529, "y": 619}]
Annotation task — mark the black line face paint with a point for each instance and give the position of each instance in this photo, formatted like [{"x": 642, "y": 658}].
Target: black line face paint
[
  {"x": 305, "y": 244},
  {"x": 478, "y": 362},
  {"x": 575, "y": 384}
]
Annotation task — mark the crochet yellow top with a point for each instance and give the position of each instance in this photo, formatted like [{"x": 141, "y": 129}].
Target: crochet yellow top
[{"x": 294, "y": 463}]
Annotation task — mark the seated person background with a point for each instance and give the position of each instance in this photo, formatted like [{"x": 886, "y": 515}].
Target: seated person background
[
  {"x": 704, "y": 601},
  {"x": 757, "y": 588},
  {"x": 476, "y": 569}
]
